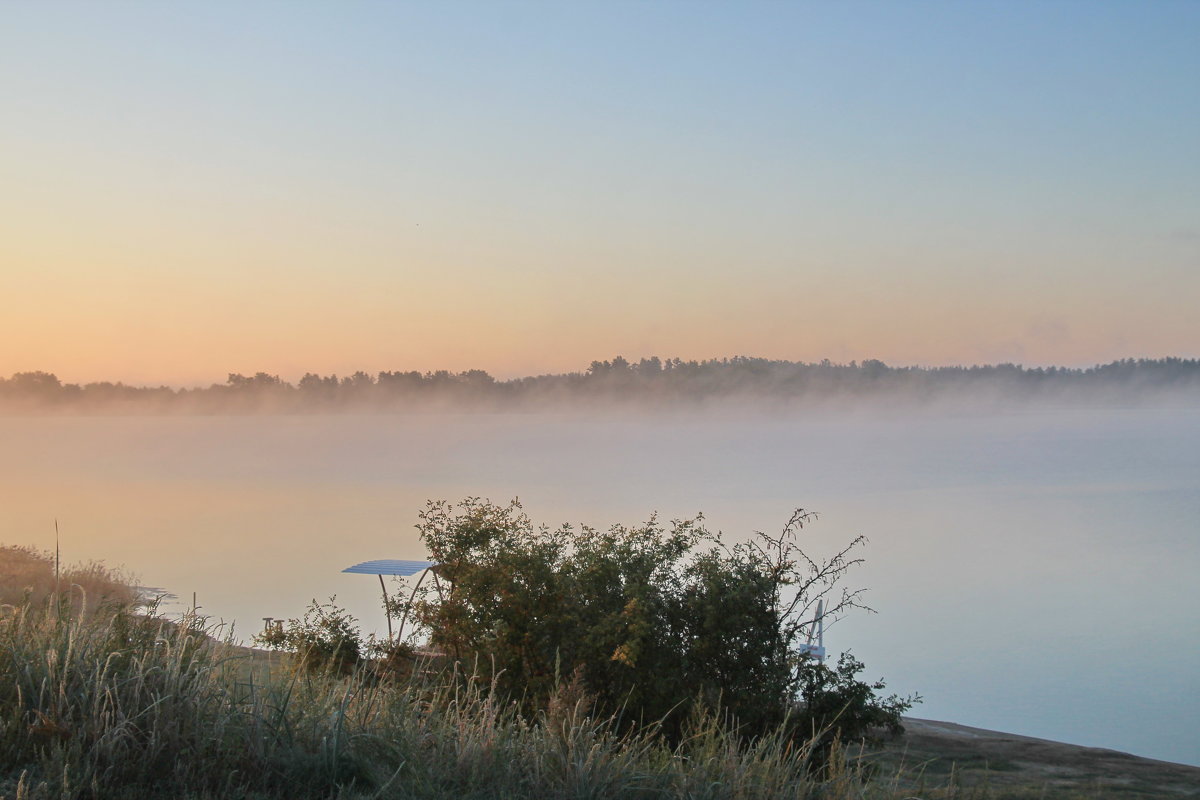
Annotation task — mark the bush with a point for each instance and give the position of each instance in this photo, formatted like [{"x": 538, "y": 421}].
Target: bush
[
  {"x": 656, "y": 623},
  {"x": 837, "y": 707},
  {"x": 326, "y": 639}
]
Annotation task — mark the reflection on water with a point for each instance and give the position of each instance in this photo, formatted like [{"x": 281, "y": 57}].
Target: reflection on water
[{"x": 1033, "y": 572}]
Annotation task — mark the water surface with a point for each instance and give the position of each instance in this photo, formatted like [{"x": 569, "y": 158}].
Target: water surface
[{"x": 1034, "y": 572}]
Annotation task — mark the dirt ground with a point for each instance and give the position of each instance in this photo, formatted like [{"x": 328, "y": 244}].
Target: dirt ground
[{"x": 934, "y": 753}]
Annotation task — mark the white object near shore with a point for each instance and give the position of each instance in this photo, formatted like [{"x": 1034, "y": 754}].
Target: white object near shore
[
  {"x": 815, "y": 646},
  {"x": 391, "y": 566}
]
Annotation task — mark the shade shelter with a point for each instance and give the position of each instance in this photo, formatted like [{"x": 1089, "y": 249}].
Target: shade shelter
[{"x": 390, "y": 566}]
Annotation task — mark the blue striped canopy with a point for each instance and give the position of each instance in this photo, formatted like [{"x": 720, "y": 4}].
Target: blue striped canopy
[{"x": 391, "y": 566}]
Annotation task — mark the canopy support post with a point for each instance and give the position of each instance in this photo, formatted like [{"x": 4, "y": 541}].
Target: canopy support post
[
  {"x": 411, "y": 597},
  {"x": 387, "y": 610}
]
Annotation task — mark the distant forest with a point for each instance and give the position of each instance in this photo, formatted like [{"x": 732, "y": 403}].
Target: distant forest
[{"x": 651, "y": 382}]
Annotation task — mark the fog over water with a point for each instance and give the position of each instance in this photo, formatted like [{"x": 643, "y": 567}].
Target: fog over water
[{"x": 1034, "y": 571}]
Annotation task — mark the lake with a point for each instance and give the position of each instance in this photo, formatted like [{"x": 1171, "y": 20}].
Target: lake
[{"x": 1033, "y": 572}]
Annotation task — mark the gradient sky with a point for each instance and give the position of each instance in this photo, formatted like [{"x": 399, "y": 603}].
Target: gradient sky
[{"x": 190, "y": 189}]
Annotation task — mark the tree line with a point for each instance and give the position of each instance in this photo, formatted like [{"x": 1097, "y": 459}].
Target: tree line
[{"x": 651, "y": 381}]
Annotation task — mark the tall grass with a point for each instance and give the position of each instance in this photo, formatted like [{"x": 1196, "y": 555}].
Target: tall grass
[
  {"x": 107, "y": 701},
  {"x": 31, "y": 575}
]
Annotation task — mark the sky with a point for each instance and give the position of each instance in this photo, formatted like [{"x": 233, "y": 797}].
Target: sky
[{"x": 193, "y": 189}]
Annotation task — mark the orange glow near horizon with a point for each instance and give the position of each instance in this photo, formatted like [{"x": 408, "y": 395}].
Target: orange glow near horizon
[{"x": 167, "y": 217}]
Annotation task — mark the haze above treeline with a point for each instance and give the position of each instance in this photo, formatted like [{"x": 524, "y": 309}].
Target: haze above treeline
[{"x": 649, "y": 382}]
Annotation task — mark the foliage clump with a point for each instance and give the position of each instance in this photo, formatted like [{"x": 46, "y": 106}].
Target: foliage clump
[
  {"x": 655, "y": 623},
  {"x": 837, "y": 707},
  {"x": 325, "y": 639}
]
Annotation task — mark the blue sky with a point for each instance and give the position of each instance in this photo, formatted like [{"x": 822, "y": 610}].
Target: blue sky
[{"x": 523, "y": 187}]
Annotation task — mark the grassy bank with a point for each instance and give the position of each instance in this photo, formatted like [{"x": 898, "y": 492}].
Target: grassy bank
[
  {"x": 99, "y": 698},
  {"x": 108, "y": 703},
  {"x": 113, "y": 704}
]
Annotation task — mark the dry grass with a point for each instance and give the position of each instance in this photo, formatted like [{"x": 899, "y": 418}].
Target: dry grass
[
  {"x": 28, "y": 576},
  {"x": 111, "y": 703},
  {"x": 103, "y": 700}
]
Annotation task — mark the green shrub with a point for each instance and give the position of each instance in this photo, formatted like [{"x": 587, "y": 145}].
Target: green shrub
[
  {"x": 655, "y": 622},
  {"x": 326, "y": 639},
  {"x": 835, "y": 706}
]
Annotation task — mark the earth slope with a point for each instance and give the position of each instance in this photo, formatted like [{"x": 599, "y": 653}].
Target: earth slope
[{"x": 1025, "y": 767}]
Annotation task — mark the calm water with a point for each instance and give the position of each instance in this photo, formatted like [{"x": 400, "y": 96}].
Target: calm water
[{"x": 1033, "y": 572}]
